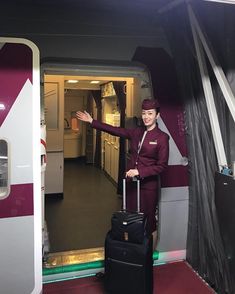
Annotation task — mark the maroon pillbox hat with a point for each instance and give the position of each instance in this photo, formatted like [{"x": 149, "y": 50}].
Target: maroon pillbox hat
[{"x": 150, "y": 104}]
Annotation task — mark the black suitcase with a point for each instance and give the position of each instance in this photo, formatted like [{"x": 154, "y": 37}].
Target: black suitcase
[
  {"x": 129, "y": 226},
  {"x": 128, "y": 254},
  {"x": 128, "y": 266}
]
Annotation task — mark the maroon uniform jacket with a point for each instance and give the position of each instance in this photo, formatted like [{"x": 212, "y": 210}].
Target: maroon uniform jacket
[
  {"x": 151, "y": 160},
  {"x": 153, "y": 156}
]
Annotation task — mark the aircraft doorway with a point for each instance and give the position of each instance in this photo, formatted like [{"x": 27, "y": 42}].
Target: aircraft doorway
[{"x": 80, "y": 218}]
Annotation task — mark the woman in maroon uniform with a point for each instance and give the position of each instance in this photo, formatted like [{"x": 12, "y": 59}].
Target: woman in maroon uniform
[{"x": 149, "y": 152}]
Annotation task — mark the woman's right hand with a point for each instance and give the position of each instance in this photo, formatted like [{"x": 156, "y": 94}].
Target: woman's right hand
[{"x": 84, "y": 116}]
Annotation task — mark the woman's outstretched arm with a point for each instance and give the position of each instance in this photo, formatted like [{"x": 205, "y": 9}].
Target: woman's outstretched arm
[{"x": 116, "y": 131}]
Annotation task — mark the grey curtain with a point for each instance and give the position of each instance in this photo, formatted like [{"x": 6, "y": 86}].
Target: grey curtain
[{"x": 205, "y": 251}]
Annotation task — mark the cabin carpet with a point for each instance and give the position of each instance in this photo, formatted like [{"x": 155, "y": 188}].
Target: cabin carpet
[{"x": 172, "y": 278}]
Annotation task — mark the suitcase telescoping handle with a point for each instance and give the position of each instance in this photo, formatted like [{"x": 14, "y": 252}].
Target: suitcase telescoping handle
[{"x": 137, "y": 180}]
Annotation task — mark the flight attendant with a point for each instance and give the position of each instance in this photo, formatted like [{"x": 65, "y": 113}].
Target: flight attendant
[{"x": 149, "y": 152}]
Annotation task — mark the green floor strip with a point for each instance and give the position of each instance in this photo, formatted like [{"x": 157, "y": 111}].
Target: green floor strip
[
  {"x": 73, "y": 268},
  {"x": 155, "y": 255},
  {"x": 81, "y": 266}
]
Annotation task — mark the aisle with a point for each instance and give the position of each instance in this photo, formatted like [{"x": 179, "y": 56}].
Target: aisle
[{"x": 82, "y": 219}]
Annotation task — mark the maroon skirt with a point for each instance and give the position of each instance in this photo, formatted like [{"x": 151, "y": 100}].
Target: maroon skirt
[{"x": 148, "y": 203}]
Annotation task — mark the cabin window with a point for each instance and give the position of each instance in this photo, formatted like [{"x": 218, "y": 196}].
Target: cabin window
[{"x": 4, "y": 167}]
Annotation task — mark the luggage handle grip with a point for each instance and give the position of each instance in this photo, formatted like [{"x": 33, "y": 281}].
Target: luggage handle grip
[{"x": 138, "y": 193}]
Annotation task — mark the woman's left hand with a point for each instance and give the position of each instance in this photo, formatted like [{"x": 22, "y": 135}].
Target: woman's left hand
[{"x": 131, "y": 173}]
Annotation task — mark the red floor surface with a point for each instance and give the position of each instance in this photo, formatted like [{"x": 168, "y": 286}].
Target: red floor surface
[{"x": 173, "y": 278}]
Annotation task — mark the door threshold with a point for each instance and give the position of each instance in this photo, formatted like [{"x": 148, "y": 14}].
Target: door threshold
[
  {"x": 73, "y": 264},
  {"x": 72, "y": 257}
]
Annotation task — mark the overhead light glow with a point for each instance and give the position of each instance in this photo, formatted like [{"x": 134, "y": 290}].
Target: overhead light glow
[
  {"x": 95, "y": 82},
  {"x": 3, "y": 157},
  {"x": 72, "y": 81},
  {"x": 223, "y": 1},
  {"x": 2, "y": 106}
]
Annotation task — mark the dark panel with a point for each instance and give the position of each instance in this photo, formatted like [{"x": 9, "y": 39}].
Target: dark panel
[{"x": 225, "y": 205}]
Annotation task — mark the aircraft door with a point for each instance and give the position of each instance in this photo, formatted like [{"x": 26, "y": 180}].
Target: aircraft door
[
  {"x": 20, "y": 175},
  {"x": 54, "y": 120}
]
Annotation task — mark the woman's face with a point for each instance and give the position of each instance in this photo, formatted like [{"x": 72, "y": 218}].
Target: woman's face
[{"x": 149, "y": 117}]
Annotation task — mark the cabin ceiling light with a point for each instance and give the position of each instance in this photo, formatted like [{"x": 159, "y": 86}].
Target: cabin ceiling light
[
  {"x": 72, "y": 81},
  {"x": 95, "y": 82},
  {"x": 222, "y": 1},
  {"x": 3, "y": 157}
]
